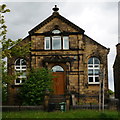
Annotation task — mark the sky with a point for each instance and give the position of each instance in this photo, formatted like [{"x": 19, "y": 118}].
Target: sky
[{"x": 98, "y": 19}]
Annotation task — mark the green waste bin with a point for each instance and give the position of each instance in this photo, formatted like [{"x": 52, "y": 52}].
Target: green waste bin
[{"x": 62, "y": 106}]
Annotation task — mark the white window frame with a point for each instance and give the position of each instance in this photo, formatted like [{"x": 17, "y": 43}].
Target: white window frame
[
  {"x": 93, "y": 68},
  {"x": 47, "y": 39},
  {"x": 53, "y": 39},
  {"x": 64, "y": 42},
  {"x": 21, "y": 69},
  {"x": 21, "y": 79},
  {"x": 56, "y": 31}
]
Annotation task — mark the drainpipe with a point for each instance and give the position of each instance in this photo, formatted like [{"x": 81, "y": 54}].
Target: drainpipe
[
  {"x": 67, "y": 77},
  {"x": 78, "y": 70},
  {"x": 103, "y": 89},
  {"x": 78, "y": 76}
]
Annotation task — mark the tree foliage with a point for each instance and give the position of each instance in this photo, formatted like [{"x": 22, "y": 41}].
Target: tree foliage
[
  {"x": 7, "y": 51},
  {"x": 3, "y": 51},
  {"x": 39, "y": 81},
  {"x": 110, "y": 92},
  {"x": 5, "y": 43}
]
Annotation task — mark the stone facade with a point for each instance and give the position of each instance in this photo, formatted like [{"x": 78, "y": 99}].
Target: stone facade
[
  {"x": 116, "y": 68},
  {"x": 74, "y": 60}
]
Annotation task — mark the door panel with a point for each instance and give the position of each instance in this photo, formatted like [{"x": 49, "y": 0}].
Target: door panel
[{"x": 58, "y": 83}]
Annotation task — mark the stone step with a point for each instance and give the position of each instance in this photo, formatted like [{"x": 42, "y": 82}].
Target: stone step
[
  {"x": 54, "y": 106},
  {"x": 57, "y": 102},
  {"x": 57, "y": 99},
  {"x": 57, "y": 96}
]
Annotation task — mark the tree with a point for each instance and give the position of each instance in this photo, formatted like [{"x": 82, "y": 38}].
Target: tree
[
  {"x": 110, "y": 92},
  {"x": 7, "y": 50},
  {"x": 3, "y": 51},
  {"x": 34, "y": 88},
  {"x": 6, "y": 43}
]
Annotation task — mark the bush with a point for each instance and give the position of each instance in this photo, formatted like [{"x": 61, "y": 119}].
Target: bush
[
  {"x": 4, "y": 93},
  {"x": 39, "y": 81}
]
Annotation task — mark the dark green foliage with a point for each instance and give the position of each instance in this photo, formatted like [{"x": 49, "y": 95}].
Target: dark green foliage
[
  {"x": 39, "y": 81},
  {"x": 4, "y": 93},
  {"x": 21, "y": 51}
]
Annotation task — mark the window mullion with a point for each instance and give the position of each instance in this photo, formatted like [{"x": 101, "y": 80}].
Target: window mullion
[
  {"x": 94, "y": 78},
  {"x": 50, "y": 42},
  {"x": 62, "y": 42}
]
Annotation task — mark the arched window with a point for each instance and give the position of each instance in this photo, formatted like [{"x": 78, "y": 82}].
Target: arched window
[
  {"x": 20, "y": 68},
  {"x": 93, "y": 70},
  {"x": 57, "y": 68},
  {"x": 56, "y": 31}
]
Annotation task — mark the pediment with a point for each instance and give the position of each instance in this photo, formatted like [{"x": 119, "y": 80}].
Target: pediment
[{"x": 56, "y": 20}]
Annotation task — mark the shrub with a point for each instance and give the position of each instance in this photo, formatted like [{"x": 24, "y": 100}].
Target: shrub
[{"x": 39, "y": 81}]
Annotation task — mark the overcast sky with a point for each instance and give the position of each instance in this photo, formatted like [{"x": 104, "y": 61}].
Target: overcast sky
[{"x": 99, "y": 20}]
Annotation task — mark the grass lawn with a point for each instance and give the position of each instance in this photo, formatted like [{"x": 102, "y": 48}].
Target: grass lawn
[{"x": 58, "y": 114}]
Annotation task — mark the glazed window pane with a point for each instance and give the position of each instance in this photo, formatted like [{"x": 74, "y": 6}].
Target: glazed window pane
[
  {"x": 56, "y": 42},
  {"x": 65, "y": 43}
]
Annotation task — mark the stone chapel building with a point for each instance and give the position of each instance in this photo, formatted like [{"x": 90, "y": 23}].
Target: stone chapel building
[{"x": 63, "y": 47}]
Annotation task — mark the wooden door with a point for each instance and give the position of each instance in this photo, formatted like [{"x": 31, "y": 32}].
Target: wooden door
[{"x": 58, "y": 83}]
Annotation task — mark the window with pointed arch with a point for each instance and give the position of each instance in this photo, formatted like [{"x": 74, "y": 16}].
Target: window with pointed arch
[
  {"x": 20, "y": 68},
  {"x": 93, "y": 70}
]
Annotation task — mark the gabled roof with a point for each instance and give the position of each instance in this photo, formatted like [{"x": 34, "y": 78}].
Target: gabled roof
[
  {"x": 56, "y": 15},
  {"x": 18, "y": 43},
  {"x": 97, "y": 43}
]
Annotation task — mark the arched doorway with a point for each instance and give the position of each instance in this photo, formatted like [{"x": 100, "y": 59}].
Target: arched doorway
[{"x": 58, "y": 80}]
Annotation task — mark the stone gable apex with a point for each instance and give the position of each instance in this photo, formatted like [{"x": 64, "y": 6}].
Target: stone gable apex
[{"x": 58, "y": 16}]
